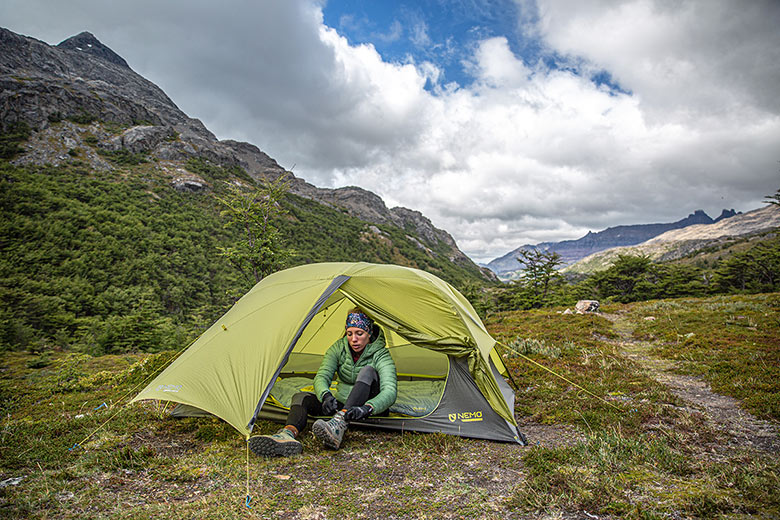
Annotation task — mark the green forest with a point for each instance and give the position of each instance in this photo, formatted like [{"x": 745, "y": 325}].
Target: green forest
[{"x": 116, "y": 261}]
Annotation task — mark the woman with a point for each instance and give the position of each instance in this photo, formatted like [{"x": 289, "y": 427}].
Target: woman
[{"x": 367, "y": 386}]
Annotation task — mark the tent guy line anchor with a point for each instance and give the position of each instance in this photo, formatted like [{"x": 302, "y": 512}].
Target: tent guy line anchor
[{"x": 248, "y": 497}]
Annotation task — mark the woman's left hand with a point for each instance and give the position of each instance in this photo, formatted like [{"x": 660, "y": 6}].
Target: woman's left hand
[{"x": 358, "y": 413}]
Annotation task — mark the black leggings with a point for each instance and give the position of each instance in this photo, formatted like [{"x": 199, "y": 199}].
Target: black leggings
[{"x": 305, "y": 404}]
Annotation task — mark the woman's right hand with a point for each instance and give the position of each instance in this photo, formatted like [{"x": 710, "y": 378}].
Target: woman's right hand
[{"x": 329, "y": 404}]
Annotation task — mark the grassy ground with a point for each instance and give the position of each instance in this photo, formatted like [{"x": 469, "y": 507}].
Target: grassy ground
[{"x": 672, "y": 437}]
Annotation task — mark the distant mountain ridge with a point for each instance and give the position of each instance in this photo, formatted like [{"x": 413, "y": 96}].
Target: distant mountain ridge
[
  {"x": 572, "y": 251},
  {"x": 83, "y": 80},
  {"x": 679, "y": 243}
]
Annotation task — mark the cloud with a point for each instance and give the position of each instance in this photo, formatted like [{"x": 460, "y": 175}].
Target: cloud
[
  {"x": 393, "y": 33},
  {"x": 684, "y": 58},
  {"x": 419, "y": 35},
  {"x": 526, "y": 153}
]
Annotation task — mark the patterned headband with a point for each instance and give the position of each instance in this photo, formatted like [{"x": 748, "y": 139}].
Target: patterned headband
[{"x": 359, "y": 320}]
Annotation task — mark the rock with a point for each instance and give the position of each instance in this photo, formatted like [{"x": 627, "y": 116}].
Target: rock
[
  {"x": 650, "y": 318},
  {"x": 174, "y": 151},
  {"x": 139, "y": 139},
  {"x": 584, "y": 306},
  {"x": 185, "y": 181},
  {"x": 13, "y": 481},
  {"x": 187, "y": 185},
  {"x": 86, "y": 42}
]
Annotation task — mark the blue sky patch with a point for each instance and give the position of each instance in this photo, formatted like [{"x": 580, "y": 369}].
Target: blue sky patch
[{"x": 446, "y": 33}]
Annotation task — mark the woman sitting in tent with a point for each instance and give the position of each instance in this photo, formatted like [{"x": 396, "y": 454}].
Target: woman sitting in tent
[{"x": 367, "y": 386}]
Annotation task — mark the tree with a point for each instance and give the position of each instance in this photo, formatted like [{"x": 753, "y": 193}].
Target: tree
[
  {"x": 629, "y": 278},
  {"x": 773, "y": 199},
  {"x": 260, "y": 251},
  {"x": 539, "y": 277},
  {"x": 754, "y": 270},
  {"x": 477, "y": 296}
]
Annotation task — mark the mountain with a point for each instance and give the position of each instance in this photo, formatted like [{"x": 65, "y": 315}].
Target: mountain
[
  {"x": 573, "y": 250},
  {"x": 679, "y": 243},
  {"x": 111, "y": 214},
  {"x": 54, "y": 89}
]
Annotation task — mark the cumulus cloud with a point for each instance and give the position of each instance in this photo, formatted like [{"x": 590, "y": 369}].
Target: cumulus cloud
[
  {"x": 526, "y": 153},
  {"x": 683, "y": 58}
]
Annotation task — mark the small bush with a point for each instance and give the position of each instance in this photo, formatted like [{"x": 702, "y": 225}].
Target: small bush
[
  {"x": 10, "y": 139},
  {"x": 124, "y": 157},
  {"x": 530, "y": 346},
  {"x": 82, "y": 118}
]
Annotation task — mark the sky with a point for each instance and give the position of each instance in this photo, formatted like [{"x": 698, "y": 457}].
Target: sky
[{"x": 505, "y": 122}]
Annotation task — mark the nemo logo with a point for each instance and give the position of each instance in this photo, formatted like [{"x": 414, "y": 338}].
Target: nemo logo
[
  {"x": 466, "y": 416},
  {"x": 169, "y": 388}
]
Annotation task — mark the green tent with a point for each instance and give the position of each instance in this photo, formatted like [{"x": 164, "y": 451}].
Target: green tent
[{"x": 269, "y": 345}]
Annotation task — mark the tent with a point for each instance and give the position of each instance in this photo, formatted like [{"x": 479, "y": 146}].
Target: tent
[{"x": 269, "y": 345}]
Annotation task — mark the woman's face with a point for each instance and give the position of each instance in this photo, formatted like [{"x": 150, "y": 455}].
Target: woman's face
[{"x": 357, "y": 338}]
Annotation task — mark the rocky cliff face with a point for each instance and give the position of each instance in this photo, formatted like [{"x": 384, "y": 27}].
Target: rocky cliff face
[
  {"x": 82, "y": 82},
  {"x": 572, "y": 251}
]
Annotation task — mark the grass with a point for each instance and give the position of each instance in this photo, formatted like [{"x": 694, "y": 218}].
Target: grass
[
  {"x": 733, "y": 342},
  {"x": 655, "y": 456},
  {"x": 578, "y": 348}
]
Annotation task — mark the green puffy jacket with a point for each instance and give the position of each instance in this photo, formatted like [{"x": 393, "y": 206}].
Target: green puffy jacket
[{"x": 338, "y": 360}]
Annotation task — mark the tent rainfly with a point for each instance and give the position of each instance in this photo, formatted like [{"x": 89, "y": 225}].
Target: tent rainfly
[{"x": 269, "y": 345}]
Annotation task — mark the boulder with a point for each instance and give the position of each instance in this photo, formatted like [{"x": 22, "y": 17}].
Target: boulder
[
  {"x": 188, "y": 185},
  {"x": 584, "y": 306},
  {"x": 141, "y": 138}
]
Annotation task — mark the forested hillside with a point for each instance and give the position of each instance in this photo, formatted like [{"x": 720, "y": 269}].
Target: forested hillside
[{"x": 107, "y": 261}]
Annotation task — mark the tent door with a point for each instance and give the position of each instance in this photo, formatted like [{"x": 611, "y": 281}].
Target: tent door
[{"x": 333, "y": 287}]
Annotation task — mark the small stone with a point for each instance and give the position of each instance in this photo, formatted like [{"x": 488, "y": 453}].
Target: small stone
[{"x": 13, "y": 481}]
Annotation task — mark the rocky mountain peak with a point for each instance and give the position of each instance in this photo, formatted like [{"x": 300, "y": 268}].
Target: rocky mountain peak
[
  {"x": 727, "y": 213},
  {"x": 82, "y": 81},
  {"x": 86, "y": 42},
  {"x": 699, "y": 216}
]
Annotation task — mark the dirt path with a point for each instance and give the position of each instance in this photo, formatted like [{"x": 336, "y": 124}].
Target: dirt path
[{"x": 722, "y": 412}]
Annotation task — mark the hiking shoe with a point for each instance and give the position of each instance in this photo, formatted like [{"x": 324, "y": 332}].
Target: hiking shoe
[
  {"x": 281, "y": 444},
  {"x": 330, "y": 433}
]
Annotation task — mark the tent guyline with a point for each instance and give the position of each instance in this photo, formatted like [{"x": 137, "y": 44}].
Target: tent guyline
[
  {"x": 132, "y": 390},
  {"x": 248, "y": 500},
  {"x": 561, "y": 377}
]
